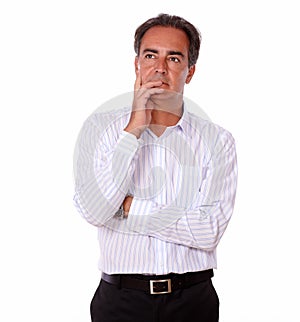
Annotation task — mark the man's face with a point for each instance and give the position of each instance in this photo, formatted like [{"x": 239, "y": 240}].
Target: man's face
[{"x": 164, "y": 56}]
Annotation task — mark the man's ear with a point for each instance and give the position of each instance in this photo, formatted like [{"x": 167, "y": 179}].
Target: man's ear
[
  {"x": 136, "y": 64},
  {"x": 190, "y": 74}
]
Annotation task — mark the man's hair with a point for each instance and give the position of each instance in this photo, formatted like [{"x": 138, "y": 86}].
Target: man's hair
[{"x": 166, "y": 20}]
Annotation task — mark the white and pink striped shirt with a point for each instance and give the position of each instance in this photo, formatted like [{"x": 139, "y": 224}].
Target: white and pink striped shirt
[{"x": 183, "y": 183}]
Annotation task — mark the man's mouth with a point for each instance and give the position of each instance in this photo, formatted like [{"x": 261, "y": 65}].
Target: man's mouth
[
  {"x": 158, "y": 78},
  {"x": 164, "y": 84}
]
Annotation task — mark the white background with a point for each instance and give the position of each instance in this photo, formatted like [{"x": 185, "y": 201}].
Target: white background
[{"x": 60, "y": 60}]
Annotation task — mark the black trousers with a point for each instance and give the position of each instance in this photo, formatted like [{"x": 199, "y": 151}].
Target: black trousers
[{"x": 198, "y": 303}]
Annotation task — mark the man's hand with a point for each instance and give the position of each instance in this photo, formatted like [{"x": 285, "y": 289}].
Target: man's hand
[
  {"x": 142, "y": 105},
  {"x": 126, "y": 205}
]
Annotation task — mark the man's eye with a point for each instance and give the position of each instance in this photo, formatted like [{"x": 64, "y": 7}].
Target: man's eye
[
  {"x": 149, "y": 56},
  {"x": 174, "y": 59}
]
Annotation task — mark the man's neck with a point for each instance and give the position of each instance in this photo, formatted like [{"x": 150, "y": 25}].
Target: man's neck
[
  {"x": 165, "y": 118},
  {"x": 162, "y": 119}
]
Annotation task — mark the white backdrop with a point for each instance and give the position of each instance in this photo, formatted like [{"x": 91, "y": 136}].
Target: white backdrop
[{"x": 60, "y": 60}]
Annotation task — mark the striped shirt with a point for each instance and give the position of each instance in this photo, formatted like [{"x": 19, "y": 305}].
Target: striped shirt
[{"x": 183, "y": 185}]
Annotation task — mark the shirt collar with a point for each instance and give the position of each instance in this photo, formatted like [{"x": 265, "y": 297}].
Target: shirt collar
[{"x": 184, "y": 120}]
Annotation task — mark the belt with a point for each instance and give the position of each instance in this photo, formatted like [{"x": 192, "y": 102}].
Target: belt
[{"x": 158, "y": 284}]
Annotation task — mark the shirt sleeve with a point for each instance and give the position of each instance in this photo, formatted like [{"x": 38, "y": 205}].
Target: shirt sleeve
[
  {"x": 203, "y": 224},
  {"x": 103, "y": 166}
]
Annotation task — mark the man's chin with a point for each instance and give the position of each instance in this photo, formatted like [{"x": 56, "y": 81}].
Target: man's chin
[
  {"x": 167, "y": 94},
  {"x": 166, "y": 101}
]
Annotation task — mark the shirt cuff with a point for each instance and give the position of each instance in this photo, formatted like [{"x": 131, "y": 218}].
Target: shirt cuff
[
  {"x": 127, "y": 143},
  {"x": 140, "y": 207}
]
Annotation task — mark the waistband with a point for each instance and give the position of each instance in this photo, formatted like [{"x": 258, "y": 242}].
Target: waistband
[{"x": 158, "y": 284}]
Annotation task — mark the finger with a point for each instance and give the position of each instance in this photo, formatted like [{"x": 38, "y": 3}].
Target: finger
[
  {"x": 153, "y": 91},
  {"x": 143, "y": 96},
  {"x": 127, "y": 203},
  {"x": 147, "y": 92},
  {"x": 138, "y": 81},
  {"x": 151, "y": 84}
]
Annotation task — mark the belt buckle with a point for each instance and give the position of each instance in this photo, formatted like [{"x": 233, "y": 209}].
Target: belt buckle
[{"x": 152, "y": 286}]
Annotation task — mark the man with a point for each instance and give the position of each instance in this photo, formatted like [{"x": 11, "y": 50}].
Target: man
[{"x": 159, "y": 183}]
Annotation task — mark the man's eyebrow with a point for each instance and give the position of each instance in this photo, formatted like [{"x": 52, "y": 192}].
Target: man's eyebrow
[
  {"x": 170, "y": 52},
  {"x": 150, "y": 50},
  {"x": 177, "y": 53}
]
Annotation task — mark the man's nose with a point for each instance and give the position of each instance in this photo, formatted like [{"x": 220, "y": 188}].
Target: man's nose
[{"x": 161, "y": 66}]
